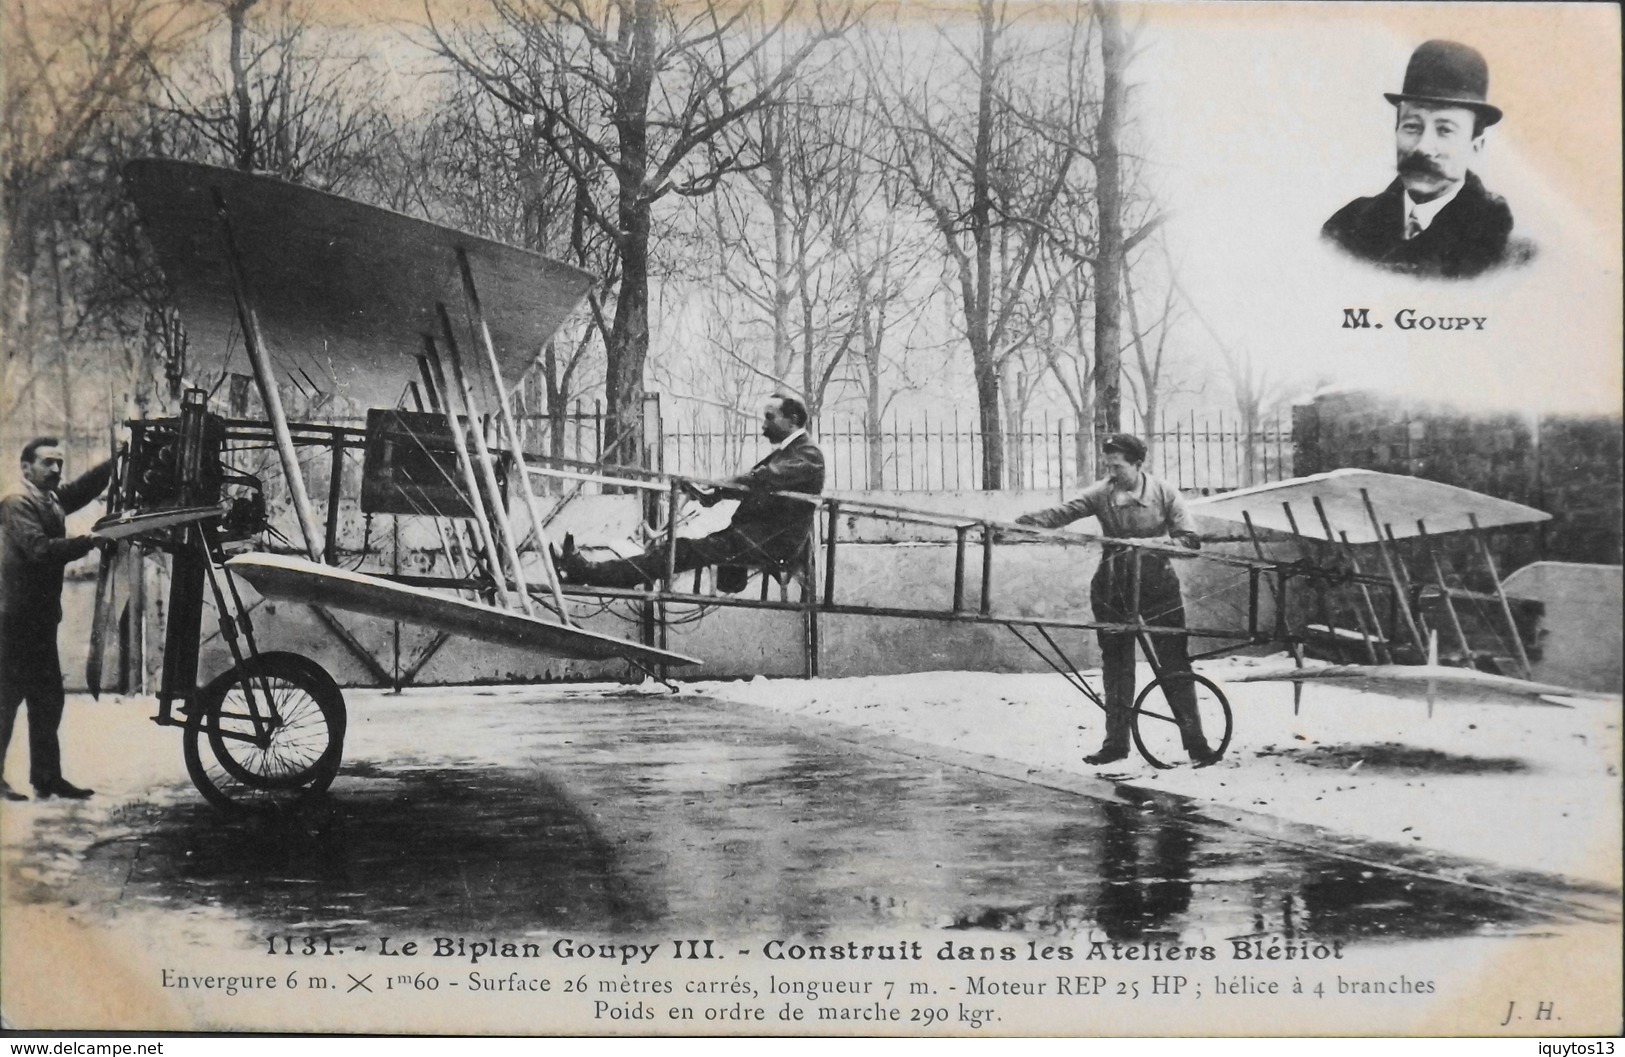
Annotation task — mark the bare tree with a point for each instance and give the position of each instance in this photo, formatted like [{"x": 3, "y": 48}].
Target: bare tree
[
  {"x": 488, "y": 169},
  {"x": 1111, "y": 246},
  {"x": 817, "y": 243},
  {"x": 888, "y": 309},
  {"x": 75, "y": 76},
  {"x": 1253, "y": 386},
  {"x": 1117, "y": 216},
  {"x": 287, "y": 100},
  {"x": 1152, "y": 377},
  {"x": 1064, "y": 338},
  {"x": 990, "y": 156},
  {"x": 639, "y": 90}
]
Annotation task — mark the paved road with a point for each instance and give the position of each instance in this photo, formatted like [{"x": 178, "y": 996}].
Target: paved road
[{"x": 632, "y": 814}]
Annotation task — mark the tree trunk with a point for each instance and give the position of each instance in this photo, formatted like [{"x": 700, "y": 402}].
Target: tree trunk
[
  {"x": 871, "y": 429},
  {"x": 1013, "y": 398},
  {"x": 978, "y": 307},
  {"x": 773, "y": 156},
  {"x": 1108, "y": 197},
  {"x": 243, "y": 149},
  {"x": 627, "y": 349}
]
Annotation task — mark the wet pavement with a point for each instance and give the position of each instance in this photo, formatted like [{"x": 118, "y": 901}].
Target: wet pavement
[{"x": 637, "y": 813}]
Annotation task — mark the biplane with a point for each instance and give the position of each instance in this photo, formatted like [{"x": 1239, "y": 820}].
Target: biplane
[
  {"x": 307, "y": 292},
  {"x": 309, "y": 297}
]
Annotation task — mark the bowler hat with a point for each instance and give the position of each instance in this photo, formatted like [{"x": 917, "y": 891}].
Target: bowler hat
[{"x": 1444, "y": 72}]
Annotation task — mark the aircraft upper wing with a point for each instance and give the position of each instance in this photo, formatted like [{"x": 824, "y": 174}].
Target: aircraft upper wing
[
  {"x": 344, "y": 291},
  {"x": 1399, "y": 503}
]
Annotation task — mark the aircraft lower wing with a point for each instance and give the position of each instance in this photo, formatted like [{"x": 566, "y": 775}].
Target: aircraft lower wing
[
  {"x": 299, "y": 580},
  {"x": 1423, "y": 677}
]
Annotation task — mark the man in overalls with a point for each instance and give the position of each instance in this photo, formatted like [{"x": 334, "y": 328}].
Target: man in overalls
[{"x": 1132, "y": 504}]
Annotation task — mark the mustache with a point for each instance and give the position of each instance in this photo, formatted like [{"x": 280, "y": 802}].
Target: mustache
[{"x": 1417, "y": 164}]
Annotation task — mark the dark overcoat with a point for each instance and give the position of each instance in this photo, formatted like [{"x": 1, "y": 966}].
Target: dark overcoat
[
  {"x": 34, "y": 550},
  {"x": 777, "y": 524},
  {"x": 1469, "y": 236}
]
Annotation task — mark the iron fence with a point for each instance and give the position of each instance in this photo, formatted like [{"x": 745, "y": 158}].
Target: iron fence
[{"x": 945, "y": 454}]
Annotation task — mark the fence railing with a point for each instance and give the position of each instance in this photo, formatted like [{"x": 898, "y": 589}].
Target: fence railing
[
  {"x": 945, "y": 453},
  {"x": 930, "y": 453},
  {"x": 934, "y": 455}
]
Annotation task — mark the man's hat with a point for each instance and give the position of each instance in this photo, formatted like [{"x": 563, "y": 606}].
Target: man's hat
[
  {"x": 1450, "y": 74},
  {"x": 1127, "y": 445}
]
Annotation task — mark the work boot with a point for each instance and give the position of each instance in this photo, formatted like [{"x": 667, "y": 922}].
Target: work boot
[
  {"x": 64, "y": 789},
  {"x": 9, "y": 793},
  {"x": 1202, "y": 755},
  {"x": 1115, "y": 746}
]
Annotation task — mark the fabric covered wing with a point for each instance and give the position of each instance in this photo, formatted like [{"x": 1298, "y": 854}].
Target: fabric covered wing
[
  {"x": 1398, "y": 501},
  {"x": 344, "y": 291},
  {"x": 297, "y": 580}
]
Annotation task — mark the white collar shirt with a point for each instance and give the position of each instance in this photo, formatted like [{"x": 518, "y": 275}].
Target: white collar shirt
[
  {"x": 1425, "y": 212},
  {"x": 781, "y": 445}
]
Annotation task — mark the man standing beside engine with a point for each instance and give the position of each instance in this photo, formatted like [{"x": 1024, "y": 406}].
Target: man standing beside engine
[{"x": 34, "y": 549}]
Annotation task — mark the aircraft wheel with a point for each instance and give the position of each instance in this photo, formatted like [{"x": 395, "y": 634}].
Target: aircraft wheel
[
  {"x": 255, "y": 755},
  {"x": 1157, "y": 734}
]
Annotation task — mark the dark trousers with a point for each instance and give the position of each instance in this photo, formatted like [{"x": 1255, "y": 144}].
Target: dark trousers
[
  {"x": 719, "y": 548},
  {"x": 1111, "y": 593},
  {"x": 31, "y": 672}
]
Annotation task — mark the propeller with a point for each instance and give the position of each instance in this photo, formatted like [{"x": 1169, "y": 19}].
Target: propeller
[{"x": 102, "y": 616}]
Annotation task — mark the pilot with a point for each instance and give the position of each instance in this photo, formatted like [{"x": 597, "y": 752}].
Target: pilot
[
  {"x": 1436, "y": 219},
  {"x": 1132, "y": 504},
  {"x": 34, "y": 549},
  {"x": 766, "y": 529}
]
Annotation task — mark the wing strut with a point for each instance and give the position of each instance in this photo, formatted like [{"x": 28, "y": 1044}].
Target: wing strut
[
  {"x": 255, "y": 343},
  {"x": 1444, "y": 591},
  {"x": 1388, "y": 562},
  {"x": 517, "y": 452},
  {"x": 1278, "y": 589},
  {"x": 463, "y": 390},
  {"x": 459, "y": 441},
  {"x": 1372, "y": 630},
  {"x": 1500, "y": 593}
]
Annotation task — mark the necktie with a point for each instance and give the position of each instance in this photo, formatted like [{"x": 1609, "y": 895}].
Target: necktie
[{"x": 1413, "y": 226}]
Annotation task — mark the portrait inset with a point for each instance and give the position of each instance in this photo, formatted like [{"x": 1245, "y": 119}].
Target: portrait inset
[{"x": 1436, "y": 219}]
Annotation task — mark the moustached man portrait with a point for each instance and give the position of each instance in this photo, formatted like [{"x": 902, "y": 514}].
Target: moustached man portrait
[{"x": 1436, "y": 219}]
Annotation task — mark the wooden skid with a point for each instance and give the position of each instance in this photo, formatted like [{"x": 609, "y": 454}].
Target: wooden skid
[
  {"x": 298, "y": 580},
  {"x": 1377, "y": 676}
]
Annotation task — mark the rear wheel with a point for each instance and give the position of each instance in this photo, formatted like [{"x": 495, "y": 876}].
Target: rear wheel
[
  {"x": 1157, "y": 732},
  {"x": 280, "y": 737}
]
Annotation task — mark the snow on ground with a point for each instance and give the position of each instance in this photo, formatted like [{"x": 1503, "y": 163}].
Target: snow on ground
[
  {"x": 1507, "y": 781},
  {"x": 1513, "y": 782}
]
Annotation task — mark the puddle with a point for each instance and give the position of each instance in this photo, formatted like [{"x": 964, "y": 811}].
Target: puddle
[{"x": 631, "y": 818}]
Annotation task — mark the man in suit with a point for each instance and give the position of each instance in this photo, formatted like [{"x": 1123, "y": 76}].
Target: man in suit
[
  {"x": 1436, "y": 219},
  {"x": 34, "y": 549},
  {"x": 766, "y": 529},
  {"x": 1132, "y": 504}
]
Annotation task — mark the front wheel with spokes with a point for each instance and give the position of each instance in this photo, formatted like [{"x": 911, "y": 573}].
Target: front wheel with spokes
[{"x": 274, "y": 726}]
